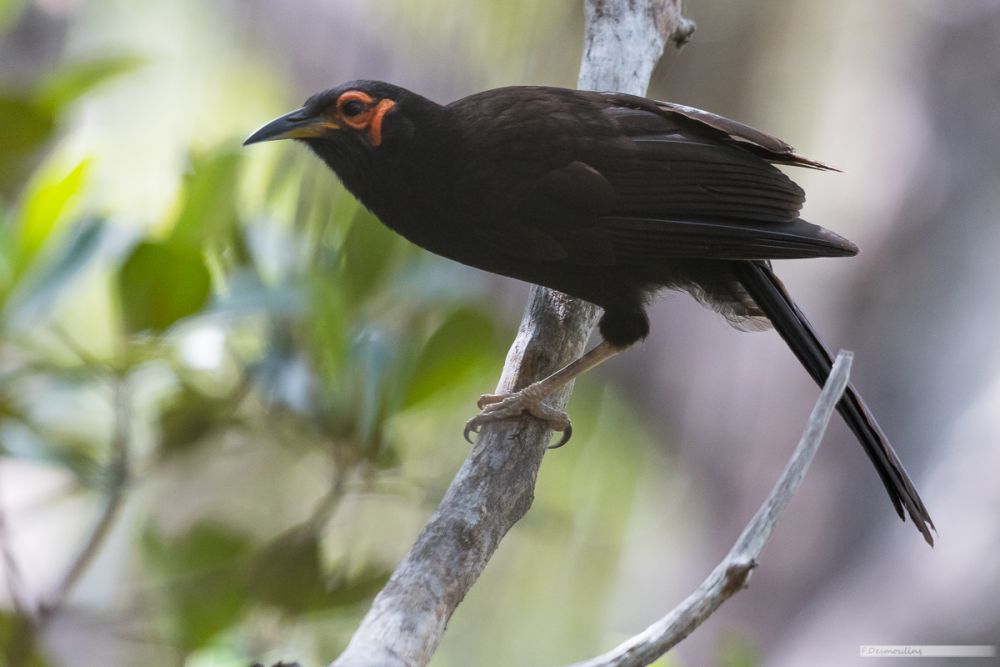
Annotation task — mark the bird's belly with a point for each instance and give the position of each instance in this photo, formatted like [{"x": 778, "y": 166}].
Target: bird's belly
[
  {"x": 465, "y": 239},
  {"x": 602, "y": 285}
]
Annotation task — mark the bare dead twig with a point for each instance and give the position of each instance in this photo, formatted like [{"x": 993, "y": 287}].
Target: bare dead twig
[{"x": 731, "y": 575}]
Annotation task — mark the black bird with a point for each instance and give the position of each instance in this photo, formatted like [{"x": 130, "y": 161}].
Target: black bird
[{"x": 604, "y": 196}]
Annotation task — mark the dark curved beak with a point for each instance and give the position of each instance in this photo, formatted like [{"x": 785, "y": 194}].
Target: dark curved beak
[{"x": 294, "y": 125}]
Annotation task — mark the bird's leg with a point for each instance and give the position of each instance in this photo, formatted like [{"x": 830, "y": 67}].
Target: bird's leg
[{"x": 495, "y": 407}]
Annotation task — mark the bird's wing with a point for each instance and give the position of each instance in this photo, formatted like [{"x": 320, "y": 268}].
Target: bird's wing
[
  {"x": 690, "y": 184},
  {"x": 579, "y": 216},
  {"x": 624, "y": 178},
  {"x": 650, "y": 239},
  {"x": 751, "y": 139},
  {"x": 667, "y": 165}
]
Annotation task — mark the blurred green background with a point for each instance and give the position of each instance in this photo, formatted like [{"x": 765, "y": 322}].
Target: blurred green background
[{"x": 229, "y": 398}]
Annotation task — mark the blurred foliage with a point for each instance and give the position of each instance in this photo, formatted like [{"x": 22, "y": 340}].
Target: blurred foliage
[
  {"x": 287, "y": 380},
  {"x": 736, "y": 650},
  {"x": 30, "y": 116},
  {"x": 322, "y": 336},
  {"x": 17, "y": 640},
  {"x": 9, "y": 11}
]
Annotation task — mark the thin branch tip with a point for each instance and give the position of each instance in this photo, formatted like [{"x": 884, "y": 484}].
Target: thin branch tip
[
  {"x": 683, "y": 32},
  {"x": 732, "y": 574}
]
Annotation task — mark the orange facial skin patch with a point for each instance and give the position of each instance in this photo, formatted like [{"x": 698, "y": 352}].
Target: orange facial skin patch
[
  {"x": 375, "y": 130},
  {"x": 369, "y": 119}
]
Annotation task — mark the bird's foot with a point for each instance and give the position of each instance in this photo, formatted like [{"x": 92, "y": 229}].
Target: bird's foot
[
  {"x": 494, "y": 407},
  {"x": 490, "y": 399}
]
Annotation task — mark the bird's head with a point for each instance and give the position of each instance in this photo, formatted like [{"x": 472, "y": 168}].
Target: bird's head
[
  {"x": 359, "y": 111},
  {"x": 354, "y": 128}
]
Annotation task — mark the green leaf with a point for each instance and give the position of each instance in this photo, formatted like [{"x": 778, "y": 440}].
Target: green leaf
[
  {"x": 288, "y": 573},
  {"x": 666, "y": 661},
  {"x": 328, "y": 327},
  {"x": 205, "y": 569},
  {"x": 28, "y": 118},
  {"x": 27, "y": 126},
  {"x": 457, "y": 348},
  {"x": 10, "y": 10},
  {"x": 18, "y": 641},
  {"x": 736, "y": 650},
  {"x": 204, "y": 547},
  {"x": 44, "y": 210},
  {"x": 7, "y": 253},
  {"x": 383, "y": 454},
  {"x": 160, "y": 284},
  {"x": 37, "y": 293},
  {"x": 205, "y": 606},
  {"x": 187, "y": 418},
  {"x": 374, "y": 353},
  {"x": 72, "y": 80},
  {"x": 208, "y": 212},
  {"x": 365, "y": 256},
  {"x": 358, "y": 588}
]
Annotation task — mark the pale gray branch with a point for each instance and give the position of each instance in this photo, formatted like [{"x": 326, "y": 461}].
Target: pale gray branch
[
  {"x": 732, "y": 574},
  {"x": 624, "y": 39},
  {"x": 494, "y": 488}
]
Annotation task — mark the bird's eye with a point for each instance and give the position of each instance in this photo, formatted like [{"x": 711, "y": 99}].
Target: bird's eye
[{"x": 352, "y": 108}]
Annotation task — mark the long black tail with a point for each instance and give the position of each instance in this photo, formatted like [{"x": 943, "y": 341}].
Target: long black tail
[{"x": 768, "y": 292}]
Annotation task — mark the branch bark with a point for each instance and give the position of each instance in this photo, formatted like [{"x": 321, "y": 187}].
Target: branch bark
[
  {"x": 624, "y": 40},
  {"x": 732, "y": 574}
]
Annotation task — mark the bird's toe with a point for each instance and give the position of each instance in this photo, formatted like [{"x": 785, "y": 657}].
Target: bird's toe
[
  {"x": 490, "y": 399},
  {"x": 498, "y": 407}
]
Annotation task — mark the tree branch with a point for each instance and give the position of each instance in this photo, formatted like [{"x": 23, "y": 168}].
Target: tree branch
[
  {"x": 731, "y": 575},
  {"x": 495, "y": 487},
  {"x": 116, "y": 483}
]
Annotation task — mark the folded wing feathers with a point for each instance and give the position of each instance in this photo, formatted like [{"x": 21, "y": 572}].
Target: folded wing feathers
[
  {"x": 699, "y": 185},
  {"x": 679, "y": 188},
  {"x": 757, "y": 142},
  {"x": 638, "y": 238}
]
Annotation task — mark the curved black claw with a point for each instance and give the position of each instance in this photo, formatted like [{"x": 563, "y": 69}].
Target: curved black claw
[
  {"x": 566, "y": 435},
  {"x": 470, "y": 428},
  {"x": 508, "y": 406}
]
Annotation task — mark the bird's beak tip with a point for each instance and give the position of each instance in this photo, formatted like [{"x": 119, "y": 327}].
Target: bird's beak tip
[
  {"x": 289, "y": 126},
  {"x": 270, "y": 132},
  {"x": 254, "y": 139}
]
